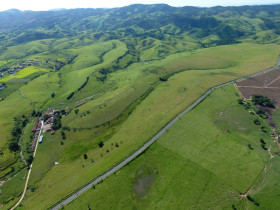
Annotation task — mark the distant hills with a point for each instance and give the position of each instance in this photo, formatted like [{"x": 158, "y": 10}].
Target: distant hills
[{"x": 219, "y": 25}]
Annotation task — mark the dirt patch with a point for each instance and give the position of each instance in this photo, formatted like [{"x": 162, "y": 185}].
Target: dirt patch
[
  {"x": 247, "y": 193},
  {"x": 267, "y": 84},
  {"x": 143, "y": 184},
  {"x": 47, "y": 128},
  {"x": 261, "y": 80}
]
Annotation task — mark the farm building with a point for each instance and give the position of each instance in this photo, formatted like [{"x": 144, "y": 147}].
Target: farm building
[
  {"x": 41, "y": 139},
  {"x": 35, "y": 126}
]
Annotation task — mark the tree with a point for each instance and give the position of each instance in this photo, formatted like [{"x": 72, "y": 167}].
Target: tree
[
  {"x": 257, "y": 122},
  {"x": 13, "y": 146},
  {"x": 63, "y": 135},
  {"x": 240, "y": 101},
  {"x": 29, "y": 159},
  {"x": 100, "y": 144},
  {"x": 57, "y": 122}
]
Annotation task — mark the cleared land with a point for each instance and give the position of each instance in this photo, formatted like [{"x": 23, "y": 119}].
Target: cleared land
[
  {"x": 185, "y": 170},
  {"x": 128, "y": 109},
  {"x": 166, "y": 101},
  {"x": 267, "y": 84}
]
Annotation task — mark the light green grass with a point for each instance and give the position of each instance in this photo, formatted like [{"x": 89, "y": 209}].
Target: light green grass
[
  {"x": 202, "y": 162},
  {"x": 155, "y": 111},
  {"x": 23, "y": 50},
  {"x": 11, "y": 190},
  {"x": 24, "y": 73},
  {"x": 3, "y": 63}
]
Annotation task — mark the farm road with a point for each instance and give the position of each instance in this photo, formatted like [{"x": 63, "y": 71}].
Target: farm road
[{"x": 151, "y": 141}]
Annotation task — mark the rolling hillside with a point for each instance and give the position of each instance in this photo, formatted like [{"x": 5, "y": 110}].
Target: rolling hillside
[{"x": 112, "y": 79}]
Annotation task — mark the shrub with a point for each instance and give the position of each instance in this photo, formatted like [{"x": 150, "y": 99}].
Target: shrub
[
  {"x": 63, "y": 135},
  {"x": 262, "y": 141},
  {"x": 100, "y": 144},
  {"x": 262, "y": 101},
  {"x": 257, "y": 122},
  {"x": 240, "y": 101}
]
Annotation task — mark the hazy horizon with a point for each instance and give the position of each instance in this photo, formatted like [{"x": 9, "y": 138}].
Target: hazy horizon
[{"x": 52, "y": 4}]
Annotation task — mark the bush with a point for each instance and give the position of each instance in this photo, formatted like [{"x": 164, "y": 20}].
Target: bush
[
  {"x": 13, "y": 146},
  {"x": 262, "y": 141},
  {"x": 262, "y": 101},
  {"x": 71, "y": 95},
  {"x": 29, "y": 159},
  {"x": 250, "y": 147},
  {"x": 63, "y": 135},
  {"x": 240, "y": 101},
  {"x": 257, "y": 122},
  {"x": 101, "y": 144}
]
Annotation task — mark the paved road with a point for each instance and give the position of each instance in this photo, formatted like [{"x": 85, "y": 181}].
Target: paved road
[{"x": 151, "y": 141}]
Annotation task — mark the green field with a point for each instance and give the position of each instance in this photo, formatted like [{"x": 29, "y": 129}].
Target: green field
[
  {"x": 202, "y": 162},
  {"x": 24, "y": 73},
  {"x": 162, "y": 104},
  {"x": 135, "y": 68}
]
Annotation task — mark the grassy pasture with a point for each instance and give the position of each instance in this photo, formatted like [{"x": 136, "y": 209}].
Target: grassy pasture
[
  {"x": 167, "y": 100},
  {"x": 13, "y": 188},
  {"x": 3, "y": 63},
  {"x": 202, "y": 162},
  {"x": 23, "y": 50},
  {"x": 30, "y": 70}
]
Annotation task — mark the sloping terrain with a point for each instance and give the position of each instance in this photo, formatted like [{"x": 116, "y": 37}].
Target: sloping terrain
[
  {"x": 116, "y": 77},
  {"x": 204, "y": 161}
]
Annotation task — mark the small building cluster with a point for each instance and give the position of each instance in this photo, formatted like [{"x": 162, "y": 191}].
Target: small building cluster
[
  {"x": 36, "y": 129},
  {"x": 48, "y": 118},
  {"x": 2, "y": 86}
]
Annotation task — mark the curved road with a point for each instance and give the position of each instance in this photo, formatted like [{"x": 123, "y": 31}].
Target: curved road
[{"x": 151, "y": 141}]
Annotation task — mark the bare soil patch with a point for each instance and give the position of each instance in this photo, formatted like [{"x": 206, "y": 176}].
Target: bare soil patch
[
  {"x": 267, "y": 84},
  {"x": 261, "y": 80},
  {"x": 143, "y": 184}
]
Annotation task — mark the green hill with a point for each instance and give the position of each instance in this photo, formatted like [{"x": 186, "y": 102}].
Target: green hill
[{"x": 124, "y": 73}]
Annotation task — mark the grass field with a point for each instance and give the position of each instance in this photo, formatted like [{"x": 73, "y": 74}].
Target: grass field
[
  {"x": 24, "y": 73},
  {"x": 202, "y": 162},
  {"x": 135, "y": 68},
  {"x": 122, "y": 89},
  {"x": 167, "y": 100},
  {"x": 12, "y": 188}
]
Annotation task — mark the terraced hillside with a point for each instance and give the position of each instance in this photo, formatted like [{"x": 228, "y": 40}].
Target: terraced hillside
[{"x": 110, "y": 86}]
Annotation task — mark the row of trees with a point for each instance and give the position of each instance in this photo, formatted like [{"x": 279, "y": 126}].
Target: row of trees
[
  {"x": 262, "y": 101},
  {"x": 79, "y": 89},
  {"x": 19, "y": 124}
]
